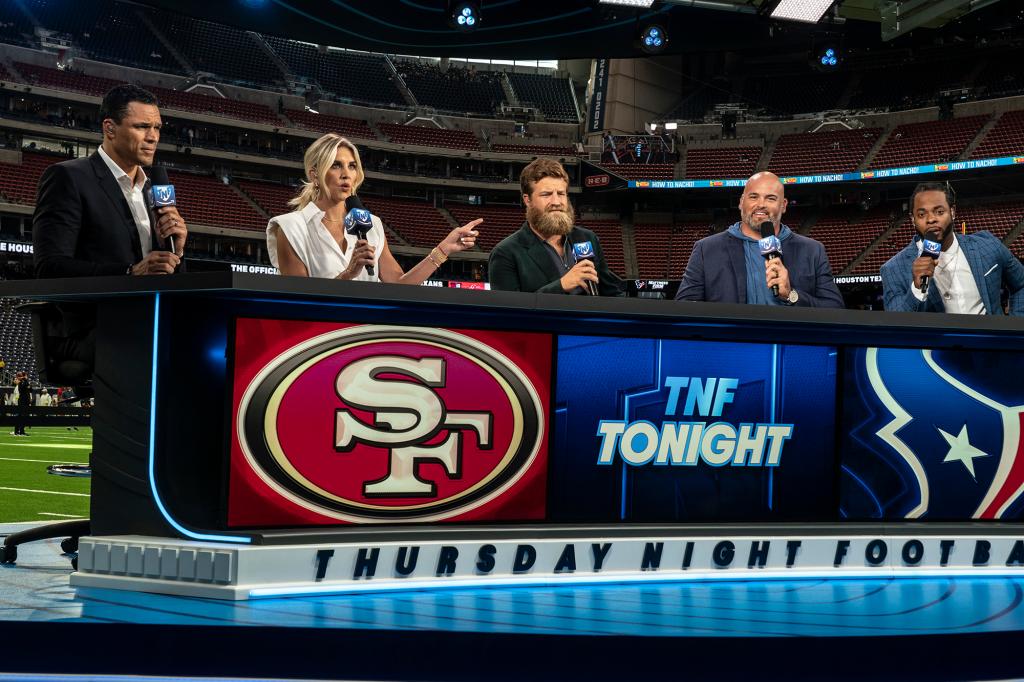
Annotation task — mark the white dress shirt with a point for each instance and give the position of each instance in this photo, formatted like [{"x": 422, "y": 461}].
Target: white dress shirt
[
  {"x": 135, "y": 198},
  {"x": 954, "y": 281},
  {"x": 317, "y": 249}
]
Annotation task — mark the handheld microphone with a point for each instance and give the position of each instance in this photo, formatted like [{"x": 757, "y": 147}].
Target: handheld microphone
[
  {"x": 358, "y": 221},
  {"x": 159, "y": 192},
  {"x": 585, "y": 251},
  {"x": 771, "y": 247},
  {"x": 931, "y": 249}
]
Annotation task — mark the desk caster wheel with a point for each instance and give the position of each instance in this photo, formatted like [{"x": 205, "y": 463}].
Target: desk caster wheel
[
  {"x": 8, "y": 555},
  {"x": 69, "y": 545}
]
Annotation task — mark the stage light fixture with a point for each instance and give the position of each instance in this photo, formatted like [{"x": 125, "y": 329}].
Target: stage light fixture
[
  {"x": 464, "y": 16},
  {"x": 829, "y": 58},
  {"x": 653, "y": 39},
  {"x": 810, "y": 11}
]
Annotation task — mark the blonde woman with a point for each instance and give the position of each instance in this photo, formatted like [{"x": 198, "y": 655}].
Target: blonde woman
[{"x": 311, "y": 241}]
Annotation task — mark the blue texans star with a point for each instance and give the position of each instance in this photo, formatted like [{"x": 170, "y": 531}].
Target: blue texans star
[{"x": 961, "y": 450}]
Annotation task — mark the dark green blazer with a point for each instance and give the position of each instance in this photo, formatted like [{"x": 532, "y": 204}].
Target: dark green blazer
[{"x": 522, "y": 263}]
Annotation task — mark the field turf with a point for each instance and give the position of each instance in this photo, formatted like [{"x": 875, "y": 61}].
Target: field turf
[{"x": 27, "y": 491}]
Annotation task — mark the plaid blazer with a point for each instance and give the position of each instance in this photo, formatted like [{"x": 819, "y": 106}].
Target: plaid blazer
[{"x": 991, "y": 263}]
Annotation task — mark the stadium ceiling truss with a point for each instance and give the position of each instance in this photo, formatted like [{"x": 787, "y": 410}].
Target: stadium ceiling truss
[{"x": 568, "y": 29}]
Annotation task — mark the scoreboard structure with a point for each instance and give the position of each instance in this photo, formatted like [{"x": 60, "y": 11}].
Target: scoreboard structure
[{"x": 263, "y": 436}]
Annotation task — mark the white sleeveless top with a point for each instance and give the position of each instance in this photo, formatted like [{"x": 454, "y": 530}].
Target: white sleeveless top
[{"x": 315, "y": 246}]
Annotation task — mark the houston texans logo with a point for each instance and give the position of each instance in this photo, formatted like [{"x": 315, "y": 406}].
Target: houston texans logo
[{"x": 957, "y": 424}]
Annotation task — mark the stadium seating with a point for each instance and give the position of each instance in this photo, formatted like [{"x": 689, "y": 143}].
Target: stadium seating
[
  {"x": 349, "y": 127},
  {"x": 846, "y": 236},
  {"x": 900, "y": 237},
  {"x": 610, "y": 234},
  {"x": 499, "y": 221},
  {"x": 553, "y": 96},
  {"x": 1006, "y": 138},
  {"x": 888, "y": 87},
  {"x": 344, "y": 76},
  {"x": 730, "y": 162},
  {"x": 642, "y": 171},
  {"x": 206, "y": 104},
  {"x": 227, "y": 52},
  {"x": 74, "y": 81},
  {"x": 834, "y": 151},
  {"x": 430, "y": 137},
  {"x": 684, "y": 236},
  {"x": 417, "y": 222},
  {"x": 931, "y": 142},
  {"x": 272, "y": 197},
  {"x": 653, "y": 249},
  {"x": 107, "y": 31},
  {"x": 16, "y": 340},
  {"x": 456, "y": 89},
  {"x": 205, "y": 200},
  {"x": 533, "y": 149},
  {"x": 997, "y": 218},
  {"x": 18, "y": 183}
]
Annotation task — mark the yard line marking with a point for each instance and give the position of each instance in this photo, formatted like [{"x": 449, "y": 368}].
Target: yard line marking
[
  {"x": 67, "y": 446},
  {"x": 44, "y": 492},
  {"x": 38, "y": 461},
  {"x": 66, "y": 516}
]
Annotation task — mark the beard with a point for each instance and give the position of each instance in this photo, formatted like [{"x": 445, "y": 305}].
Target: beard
[
  {"x": 551, "y": 223},
  {"x": 939, "y": 234},
  {"x": 755, "y": 225}
]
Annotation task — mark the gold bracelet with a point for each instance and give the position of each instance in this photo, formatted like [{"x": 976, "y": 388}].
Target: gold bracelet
[{"x": 439, "y": 260}]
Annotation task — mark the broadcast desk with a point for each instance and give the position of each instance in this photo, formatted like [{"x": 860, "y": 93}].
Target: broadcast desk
[{"x": 262, "y": 436}]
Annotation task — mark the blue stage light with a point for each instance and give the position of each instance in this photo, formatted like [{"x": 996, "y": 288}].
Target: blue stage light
[
  {"x": 464, "y": 15},
  {"x": 653, "y": 39}
]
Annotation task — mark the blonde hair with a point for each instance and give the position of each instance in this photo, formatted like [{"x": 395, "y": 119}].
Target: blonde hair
[{"x": 319, "y": 158}]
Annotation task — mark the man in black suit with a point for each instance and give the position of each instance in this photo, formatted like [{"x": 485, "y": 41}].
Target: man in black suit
[
  {"x": 91, "y": 216},
  {"x": 539, "y": 256}
]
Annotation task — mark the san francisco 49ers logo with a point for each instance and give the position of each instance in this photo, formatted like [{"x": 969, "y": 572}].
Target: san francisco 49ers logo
[{"x": 380, "y": 423}]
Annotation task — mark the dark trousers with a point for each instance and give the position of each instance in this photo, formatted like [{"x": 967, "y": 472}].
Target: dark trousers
[{"x": 19, "y": 423}]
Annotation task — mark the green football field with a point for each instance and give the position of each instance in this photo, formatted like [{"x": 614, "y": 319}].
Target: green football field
[{"x": 27, "y": 491}]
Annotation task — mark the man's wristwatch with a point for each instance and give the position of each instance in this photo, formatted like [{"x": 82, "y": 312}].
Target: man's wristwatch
[{"x": 793, "y": 297}]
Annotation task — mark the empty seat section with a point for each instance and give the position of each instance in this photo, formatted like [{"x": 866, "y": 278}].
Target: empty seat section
[
  {"x": 417, "y": 222},
  {"x": 610, "y": 234},
  {"x": 272, "y": 197},
  {"x": 205, "y": 200},
  {"x": 325, "y": 123},
  {"x": 455, "y": 89},
  {"x": 533, "y": 149},
  {"x": 931, "y": 142},
  {"x": 642, "y": 171},
  {"x": 731, "y": 162},
  {"x": 653, "y": 249},
  {"x": 430, "y": 137},
  {"x": 19, "y": 182},
  {"x": 219, "y": 106},
  {"x": 846, "y": 236},
  {"x": 1006, "y": 138},
  {"x": 107, "y": 31},
  {"x": 74, "y": 81},
  {"x": 552, "y": 95},
  {"x": 499, "y": 221},
  {"x": 228, "y": 53},
  {"x": 833, "y": 151}
]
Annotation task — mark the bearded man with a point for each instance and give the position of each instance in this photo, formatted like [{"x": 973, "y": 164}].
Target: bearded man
[
  {"x": 966, "y": 276},
  {"x": 550, "y": 254},
  {"x": 728, "y": 267}
]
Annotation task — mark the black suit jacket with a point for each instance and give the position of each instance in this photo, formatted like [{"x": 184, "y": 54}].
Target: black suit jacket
[
  {"x": 82, "y": 224},
  {"x": 522, "y": 263}
]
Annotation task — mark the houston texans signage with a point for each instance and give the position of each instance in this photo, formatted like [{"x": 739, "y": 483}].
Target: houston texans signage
[{"x": 372, "y": 424}]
